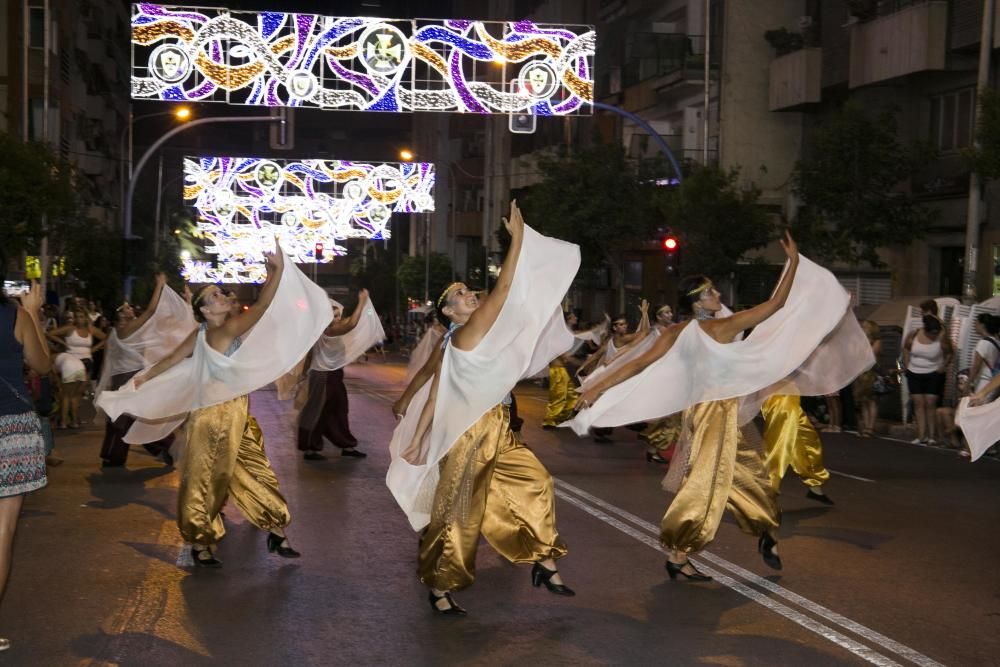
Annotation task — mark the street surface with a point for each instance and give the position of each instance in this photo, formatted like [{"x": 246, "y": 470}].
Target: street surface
[{"x": 903, "y": 570}]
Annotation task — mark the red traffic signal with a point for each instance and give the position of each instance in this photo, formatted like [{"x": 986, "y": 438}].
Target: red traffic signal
[
  {"x": 319, "y": 252},
  {"x": 670, "y": 243}
]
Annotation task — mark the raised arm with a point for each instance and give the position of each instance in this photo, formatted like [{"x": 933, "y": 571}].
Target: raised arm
[
  {"x": 237, "y": 326},
  {"x": 643, "y": 328},
  {"x": 130, "y": 328},
  {"x": 343, "y": 326},
  {"x": 632, "y": 367},
  {"x": 486, "y": 314},
  {"x": 28, "y": 331},
  {"x": 726, "y": 329},
  {"x": 425, "y": 373},
  {"x": 594, "y": 358},
  {"x": 181, "y": 352}
]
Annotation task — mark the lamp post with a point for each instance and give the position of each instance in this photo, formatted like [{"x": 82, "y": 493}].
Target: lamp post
[
  {"x": 182, "y": 114},
  {"x": 129, "y": 196}
]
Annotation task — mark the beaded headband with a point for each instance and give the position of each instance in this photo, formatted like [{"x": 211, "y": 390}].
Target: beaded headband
[{"x": 448, "y": 289}]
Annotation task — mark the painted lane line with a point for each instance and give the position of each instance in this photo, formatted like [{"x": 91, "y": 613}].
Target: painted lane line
[
  {"x": 797, "y": 617},
  {"x": 844, "y": 474},
  {"x": 861, "y": 630}
]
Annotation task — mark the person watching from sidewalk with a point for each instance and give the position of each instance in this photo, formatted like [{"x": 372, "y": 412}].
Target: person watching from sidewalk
[
  {"x": 927, "y": 354},
  {"x": 864, "y": 386}
]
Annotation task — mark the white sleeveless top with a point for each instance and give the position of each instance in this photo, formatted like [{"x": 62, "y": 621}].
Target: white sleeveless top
[
  {"x": 79, "y": 346},
  {"x": 925, "y": 357}
]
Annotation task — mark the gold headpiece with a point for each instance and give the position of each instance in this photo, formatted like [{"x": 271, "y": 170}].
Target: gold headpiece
[
  {"x": 201, "y": 294},
  {"x": 700, "y": 288},
  {"x": 447, "y": 289},
  {"x": 664, "y": 307}
]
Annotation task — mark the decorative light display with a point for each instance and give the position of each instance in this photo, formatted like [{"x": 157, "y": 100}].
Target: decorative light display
[
  {"x": 354, "y": 63},
  {"x": 243, "y": 203}
]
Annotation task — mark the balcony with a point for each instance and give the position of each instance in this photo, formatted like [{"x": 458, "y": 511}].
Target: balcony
[
  {"x": 796, "y": 80},
  {"x": 661, "y": 62},
  {"x": 913, "y": 39}
]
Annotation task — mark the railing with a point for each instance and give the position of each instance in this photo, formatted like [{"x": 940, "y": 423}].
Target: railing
[{"x": 661, "y": 54}]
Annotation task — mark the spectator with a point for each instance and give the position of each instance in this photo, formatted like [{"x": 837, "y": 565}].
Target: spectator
[
  {"x": 864, "y": 386},
  {"x": 927, "y": 353},
  {"x": 78, "y": 339},
  {"x": 986, "y": 358}
]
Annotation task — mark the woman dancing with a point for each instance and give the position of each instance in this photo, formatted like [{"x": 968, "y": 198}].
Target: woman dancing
[
  {"x": 706, "y": 372},
  {"x": 78, "y": 339},
  {"x": 210, "y": 375},
  {"x": 457, "y": 470}
]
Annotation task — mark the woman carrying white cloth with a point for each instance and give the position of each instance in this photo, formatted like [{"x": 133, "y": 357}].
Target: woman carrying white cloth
[
  {"x": 805, "y": 341},
  {"x": 210, "y": 376},
  {"x": 457, "y": 470},
  {"x": 325, "y": 413}
]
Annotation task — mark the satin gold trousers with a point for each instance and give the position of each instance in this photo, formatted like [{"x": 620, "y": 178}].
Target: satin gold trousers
[
  {"x": 489, "y": 484},
  {"x": 790, "y": 440},
  {"x": 662, "y": 434},
  {"x": 225, "y": 458},
  {"x": 724, "y": 471},
  {"x": 562, "y": 397}
]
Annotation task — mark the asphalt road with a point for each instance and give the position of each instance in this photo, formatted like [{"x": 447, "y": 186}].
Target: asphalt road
[{"x": 901, "y": 571}]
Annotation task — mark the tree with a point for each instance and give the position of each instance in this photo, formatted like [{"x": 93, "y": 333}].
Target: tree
[
  {"x": 984, "y": 158},
  {"x": 411, "y": 275},
  {"x": 851, "y": 188},
  {"x": 717, "y": 221},
  {"x": 377, "y": 275},
  {"x": 598, "y": 199},
  {"x": 35, "y": 185}
]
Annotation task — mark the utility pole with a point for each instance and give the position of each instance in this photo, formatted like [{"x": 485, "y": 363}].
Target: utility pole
[{"x": 975, "y": 180}]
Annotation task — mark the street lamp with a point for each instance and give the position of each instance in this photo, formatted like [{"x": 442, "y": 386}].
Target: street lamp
[
  {"x": 405, "y": 155},
  {"x": 181, "y": 113}
]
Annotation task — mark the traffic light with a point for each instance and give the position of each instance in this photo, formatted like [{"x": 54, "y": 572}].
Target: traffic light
[
  {"x": 318, "y": 252},
  {"x": 522, "y": 123},
  {"x": 672, "y": 254}
]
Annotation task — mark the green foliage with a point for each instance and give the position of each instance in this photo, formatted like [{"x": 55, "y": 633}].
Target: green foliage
[
  {"x": 34, "y": 183},
  {"x": 377, "y": 275},
  {"x": 411, "y": 275},
  {"x": 850, "y": 189},
  {"x": 598, "y": 199},
  {"x": 984, "y": 158},
  {"x": 718, "y": 220}
]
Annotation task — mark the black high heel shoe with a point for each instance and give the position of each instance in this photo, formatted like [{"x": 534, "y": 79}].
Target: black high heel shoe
[
  {"x": 673, "y": 569},
  {"x": 765, "y": 545},
  {"x": 652, "y": 457},
  {"x": 543, "y": 575},
  {"x": 279, "y": 544},
  {"x": 452, "y": 610},
  {"x": 203, "y": 557}
]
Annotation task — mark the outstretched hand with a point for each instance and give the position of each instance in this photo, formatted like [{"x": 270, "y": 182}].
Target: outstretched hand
[
  {"x": 362, "y": 295},
  {"x": 275, "y": 258},
  {"x": 33, "y": 299},
  {"x": 789, "y": 246},
  {"x": 515, "y": 224},
  {"x": 644, "y": 307}
]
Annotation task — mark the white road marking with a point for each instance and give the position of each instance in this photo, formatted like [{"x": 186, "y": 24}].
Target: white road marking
[
  {"x": 844, "y": 474},
  {"x": 184, "y": 557},
  {"x": 867, "y": 633}
]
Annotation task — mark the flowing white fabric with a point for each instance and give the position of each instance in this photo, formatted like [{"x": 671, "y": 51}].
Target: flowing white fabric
[
  {"x": 333, "y": 352},
  {"x": 980, "y": 424},
  {"x": 429, "y": 342},
  {"x": 529, "y": 332},
  {"x": 594, "y": 334},
  {"x": 171, "y": 322},
  {"x": 291, "y": 325},
  {"x": 813, "y": 345}
]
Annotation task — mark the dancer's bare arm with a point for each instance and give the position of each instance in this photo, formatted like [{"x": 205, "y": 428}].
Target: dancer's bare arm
[
  {"x": 468, "y": 337},
  {"x": 130, "y": 328},
  {"x": 425, "y": 373},
  {"x": 237, "y": 326},
  {"x": 343, "y": 326},
  {"x": 594, "y": 358},
  {"x": 980, "y": 396},
  {"x": 726, "y": 329},
  {"x": 182, "y": 351},
  {"x": 414, "y": 452},
  {"x": 633, "y": 367},
  {"x": 28, "y": 331},
  {"x": 643, "y": 328}
]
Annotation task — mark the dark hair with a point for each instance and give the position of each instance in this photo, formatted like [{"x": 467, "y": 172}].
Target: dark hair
[
  {"x": 440, "y": 305},
  {"x": 990, "y": 322},
  {"x": 623, "y": 317},
  {"x": 685, "y": 298},
  {"x": 931, "y": 324},
  {"x": 196, "y": 300},
  {"x": 929, "y": 306}
]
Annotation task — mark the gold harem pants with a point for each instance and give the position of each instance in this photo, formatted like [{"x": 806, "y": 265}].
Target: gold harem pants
[
  {"x": 562, "y": 397},
  {"x": 791, "y": 440},
  {"x": 493, "y": 485},
  {"x": 225, "y": 458},
  {"x": 723, "y": 470}
]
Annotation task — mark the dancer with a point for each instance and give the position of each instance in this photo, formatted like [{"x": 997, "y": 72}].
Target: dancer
[
  {"x": 429, "y": 343},
  {"x": 978, "y": 416},
  {"x": 22, "y": 448},
  {"x": 661, "y": 435},
  {"x": 791, "y": 440},
  {"x": 134, "y": 344},
  {"x": 326, "y": 408},
  {"x": 229, "y": 358},
  {"x": 78, "y": 339},
  {"x": 456, "y": 469},
  {"x": 699, "y": 367}
]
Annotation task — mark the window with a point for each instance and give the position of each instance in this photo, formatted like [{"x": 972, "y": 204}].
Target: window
[
  {"x": 633, "y": 275},
  {"x": 36, "y": 27},
  {"x": 952, "y": 119}
]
